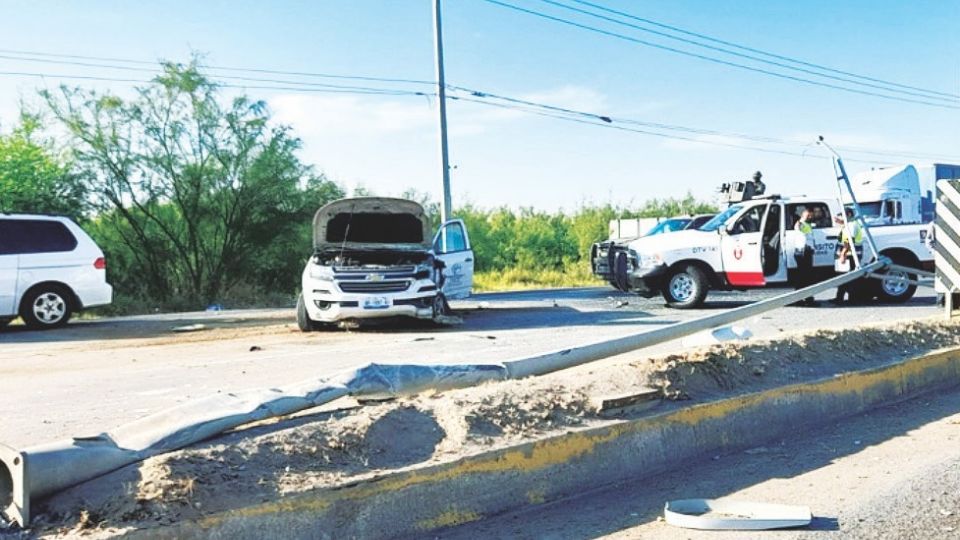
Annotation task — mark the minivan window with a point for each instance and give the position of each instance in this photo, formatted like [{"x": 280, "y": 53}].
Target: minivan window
[{"x": 24, "y": 236}]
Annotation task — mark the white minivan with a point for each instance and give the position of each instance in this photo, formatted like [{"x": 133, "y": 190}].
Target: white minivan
[{"x": 49, "y": 270}]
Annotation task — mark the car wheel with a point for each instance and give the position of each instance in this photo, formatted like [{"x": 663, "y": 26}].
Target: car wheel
[
  {"x": 894, "y": 288},
  {"x": 46, "y": 307},
  {"x": 440, "y": 306},
  {"x": 304, "y": 322},
  {"x": 686, "y": 288}
]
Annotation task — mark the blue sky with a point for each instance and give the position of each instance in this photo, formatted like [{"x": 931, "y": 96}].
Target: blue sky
[{"x": 388, "y": 144}]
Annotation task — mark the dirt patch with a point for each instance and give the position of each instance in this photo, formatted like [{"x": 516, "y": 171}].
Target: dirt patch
[{"x": 295, "y": 455}]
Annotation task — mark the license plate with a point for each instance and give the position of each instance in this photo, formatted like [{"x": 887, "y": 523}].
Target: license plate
[{"x": 376, "y": 302}]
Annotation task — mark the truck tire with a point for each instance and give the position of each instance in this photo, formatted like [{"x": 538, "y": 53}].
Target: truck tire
[
  {"x": 892, "y": 290},
  {"x": 686, "y": 288},
  {"x": 304, "y": 322},
  {"x": 620, "y": 272},
  {"x": 46, "y": 306}
]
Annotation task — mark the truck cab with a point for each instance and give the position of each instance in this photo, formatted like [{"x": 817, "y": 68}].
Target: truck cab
[{"x": 889, "y": 196}]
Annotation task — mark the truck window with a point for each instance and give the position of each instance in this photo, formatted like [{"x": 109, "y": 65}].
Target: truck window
[
  {"x": 750, "y": 221},
  {"x": 452, "y": 239},
  {"x": 23, "y": 236},
  {"x": 821, "y": 215}
]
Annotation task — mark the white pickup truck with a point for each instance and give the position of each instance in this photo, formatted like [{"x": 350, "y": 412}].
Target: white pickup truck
[
  {"x": 375, "y": 257},
  {"x": 751, "y": 245}
]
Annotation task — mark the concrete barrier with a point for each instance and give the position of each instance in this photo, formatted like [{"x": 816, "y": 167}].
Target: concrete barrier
[{"x": 417, "y": 501}]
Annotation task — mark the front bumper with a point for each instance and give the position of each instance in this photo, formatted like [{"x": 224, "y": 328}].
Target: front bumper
[
  {"x": 648, "y": 281},
  {"x": 325, "y": 302}
]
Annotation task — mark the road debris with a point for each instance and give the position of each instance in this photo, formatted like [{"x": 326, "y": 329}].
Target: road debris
[
  {"x": 189, "y": 328},
  {"x": 255, "y": 348},
  {"x": 717, "y": 515}
]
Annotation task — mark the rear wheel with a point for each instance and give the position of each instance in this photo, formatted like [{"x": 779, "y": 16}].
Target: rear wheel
[
  {"x": 304, "y": 322},
  {"x": 894, "y": 287},
  {"x": 686, "y": 288},
  {"x": 46, "y": 307}
]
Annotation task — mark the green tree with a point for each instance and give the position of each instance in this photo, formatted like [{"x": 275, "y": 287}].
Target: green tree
[
  {"x": 199, "y": 191},
  {"x": 34, "y": 177}
]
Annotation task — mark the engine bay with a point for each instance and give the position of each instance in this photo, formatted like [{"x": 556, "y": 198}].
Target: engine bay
[{"x": 373, "y": 259}]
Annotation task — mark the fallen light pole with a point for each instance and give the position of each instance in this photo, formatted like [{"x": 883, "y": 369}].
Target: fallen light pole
[{"x": 35, "y": 472}]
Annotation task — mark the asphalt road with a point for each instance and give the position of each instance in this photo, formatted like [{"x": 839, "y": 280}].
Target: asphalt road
[
  {"x": 96, "y": 374},
  {"x": 891, "y": 473}
]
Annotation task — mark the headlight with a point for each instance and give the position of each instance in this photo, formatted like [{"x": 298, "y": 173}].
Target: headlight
[
  {"x": 323, "y": 273},
  {"x": 424, "y": 270}
]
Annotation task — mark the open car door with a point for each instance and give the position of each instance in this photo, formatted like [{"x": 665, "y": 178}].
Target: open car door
[
  {"x": 741, "y": 247},
  {"x": 452, "y": 246}
]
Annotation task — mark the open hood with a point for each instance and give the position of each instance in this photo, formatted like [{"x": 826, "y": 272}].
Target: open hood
[{"x": 371, "y": 223}]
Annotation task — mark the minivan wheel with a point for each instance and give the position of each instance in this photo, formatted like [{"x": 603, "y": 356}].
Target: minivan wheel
[{"x": 46, "y": 307}]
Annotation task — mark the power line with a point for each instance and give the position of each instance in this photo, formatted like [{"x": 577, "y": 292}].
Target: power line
[
  {"x": 633, "y": 130},
  {"x": 922, "y": 93},
  {"x": 710, "y": 58},
  {"x": 157, "y": 71},
  {"x": 221, "y": 68},
  {"x": 758, "y": 51},
  {"x": 519, "y": 104},
  {"x": 331, "y": 89},
  {"x": 591, "y": 117}
]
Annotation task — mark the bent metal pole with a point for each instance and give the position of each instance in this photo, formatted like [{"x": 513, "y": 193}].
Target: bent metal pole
[{"x": 26, "y": 475}]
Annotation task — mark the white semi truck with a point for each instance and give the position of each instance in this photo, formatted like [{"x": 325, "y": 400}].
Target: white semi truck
[
  {"x": 751, "y": 245},
  {"x": 903, "y": 194}
]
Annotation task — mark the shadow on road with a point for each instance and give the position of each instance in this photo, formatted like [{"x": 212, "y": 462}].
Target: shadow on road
[
  {"x": 136, "y": 328},
  {"x": 635, "y": 502}
]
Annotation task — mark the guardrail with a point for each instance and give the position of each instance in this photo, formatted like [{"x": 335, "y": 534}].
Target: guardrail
[
  {"x": 946, "y": 244},
  {"x": 32, "y": 473}
]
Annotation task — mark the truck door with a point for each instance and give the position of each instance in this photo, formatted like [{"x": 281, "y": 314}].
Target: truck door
[
  {"x": 9, "y": 261},
  {"x": 452, "y": 246},
  {"x": 741, "y": 248}
]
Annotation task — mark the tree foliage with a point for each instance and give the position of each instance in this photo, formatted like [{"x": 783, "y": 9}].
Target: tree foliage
[
  {"x": 194, "y": 194},
  {"x": 34, "y": 177}
]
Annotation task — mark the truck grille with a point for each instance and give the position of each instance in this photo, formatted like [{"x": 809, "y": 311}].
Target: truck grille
[{"x": 373, "y": 286}]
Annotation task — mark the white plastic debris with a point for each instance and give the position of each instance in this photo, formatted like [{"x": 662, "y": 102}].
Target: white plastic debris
[
  {"x": 718, "y": 335},
  {"x": 716, "y": 515}
]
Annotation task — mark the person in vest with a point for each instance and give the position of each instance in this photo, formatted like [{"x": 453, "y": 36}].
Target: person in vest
[
  {"x": 851, "y": 239},
  {"x": 803, "y": 253}
]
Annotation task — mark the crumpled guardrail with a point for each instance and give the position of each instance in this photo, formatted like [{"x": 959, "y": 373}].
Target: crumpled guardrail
[{"x": 35, "y": 472}]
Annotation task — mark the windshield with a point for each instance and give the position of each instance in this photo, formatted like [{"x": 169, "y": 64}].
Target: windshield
[
  {"x": 721, "y": 218},
  {"x": 669, "y": 225},
  {"x": 869, "y": 209}
]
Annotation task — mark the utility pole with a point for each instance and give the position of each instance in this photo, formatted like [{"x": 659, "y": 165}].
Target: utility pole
[{"x": 445, "y": 205}]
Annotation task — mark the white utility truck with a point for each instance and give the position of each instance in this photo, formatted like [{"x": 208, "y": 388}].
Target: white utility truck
[
  {"x": 375, "y": 257},
  {"x": 751, "y": 244}
]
